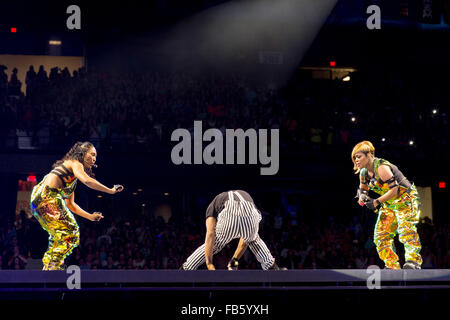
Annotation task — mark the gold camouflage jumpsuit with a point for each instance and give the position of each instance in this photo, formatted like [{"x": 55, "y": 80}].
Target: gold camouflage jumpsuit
[
  {"x": 50, "y": 209},
  {"x": 397, "y": 215}
]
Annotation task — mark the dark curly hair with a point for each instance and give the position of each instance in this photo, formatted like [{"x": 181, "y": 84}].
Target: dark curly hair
[{"x": 77, "y": 152}]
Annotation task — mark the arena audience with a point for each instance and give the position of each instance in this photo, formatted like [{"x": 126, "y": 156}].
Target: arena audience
[
  {"x": 137, "y": 113},
  {"x": 148, "y": 242}
]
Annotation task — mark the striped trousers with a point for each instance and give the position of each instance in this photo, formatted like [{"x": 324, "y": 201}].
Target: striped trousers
[{"x": 239, "y": 219}]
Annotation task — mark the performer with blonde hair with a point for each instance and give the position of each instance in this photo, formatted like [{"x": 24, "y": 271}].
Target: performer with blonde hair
[
  {"x": 398, "y": 206},
  {"x": 53, "y": 202}
]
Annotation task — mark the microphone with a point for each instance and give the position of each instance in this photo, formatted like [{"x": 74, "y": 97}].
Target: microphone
[{"x": 94, "y": 165}]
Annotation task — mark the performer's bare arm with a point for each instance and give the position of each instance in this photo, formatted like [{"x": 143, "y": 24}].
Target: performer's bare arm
[
  {"x": 233, "y": 263},
  {"x": 75, "y": 208},
  {"x": 209, "y": 241},
  {"x": 362, "y": 186},
  {"x": 242, "y": 246},
  {"x": 79, "y": 173}
]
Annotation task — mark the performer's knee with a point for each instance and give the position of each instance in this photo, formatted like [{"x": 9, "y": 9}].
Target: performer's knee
[
  {"x": 380, "y": 238},
  {"x": 73, "y": 239}
]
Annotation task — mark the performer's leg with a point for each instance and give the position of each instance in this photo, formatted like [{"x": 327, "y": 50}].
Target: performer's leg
[
  {"x": 61, "y": 244},
  {"x": 384, "y": 238},
  {"x": 261, "y": 252},
  {"x": 408, "y": 217},
  {"x": 47, "y": 259},
  {"x": 64, "y": 234},
  {"x": 225, "y": 231},
  {"x": 249, "y": 232},
  {"x": 197, "y": 258}
]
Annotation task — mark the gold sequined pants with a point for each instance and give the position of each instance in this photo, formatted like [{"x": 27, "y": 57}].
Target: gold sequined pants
[
  {"x": 49, "y": 208},
  {"x": 401, "y": 217}
]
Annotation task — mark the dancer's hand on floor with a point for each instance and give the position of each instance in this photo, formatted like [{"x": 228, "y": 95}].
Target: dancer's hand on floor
[{"x": 233, "y": 264}]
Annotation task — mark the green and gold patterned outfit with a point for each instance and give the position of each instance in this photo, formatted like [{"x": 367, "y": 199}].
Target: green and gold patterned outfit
[
  {"x": 398, "y": 215},
  {"x": 49, "y": 208}
]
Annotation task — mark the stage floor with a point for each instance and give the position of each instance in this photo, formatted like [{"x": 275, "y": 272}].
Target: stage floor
[
  {"x": 175, "y": 291},
  {"x": 342, "y": 278},
  {"x": 321, "y": 279},
  {"x": 227, "y": 285}
]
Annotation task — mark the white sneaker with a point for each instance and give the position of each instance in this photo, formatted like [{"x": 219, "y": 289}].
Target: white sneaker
[{"x": 411, "y": 265}]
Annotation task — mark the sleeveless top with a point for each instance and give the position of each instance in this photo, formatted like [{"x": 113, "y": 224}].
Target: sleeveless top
[
  {"x": 379, "y": 186},
  {"x": 68, "y": 180}
]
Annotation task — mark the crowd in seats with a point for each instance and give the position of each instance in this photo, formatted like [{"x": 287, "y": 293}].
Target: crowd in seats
[
  {"x": 149, "y": 242},
  {"x": 139, "y": 111}
]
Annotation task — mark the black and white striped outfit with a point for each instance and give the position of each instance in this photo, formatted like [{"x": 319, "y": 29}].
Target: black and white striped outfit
[{"x": 238, "y": 219}]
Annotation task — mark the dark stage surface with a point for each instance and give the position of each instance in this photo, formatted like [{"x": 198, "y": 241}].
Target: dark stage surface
[
  {"x": 245, "y": 293},
  {"x": 220, "y": 279}
]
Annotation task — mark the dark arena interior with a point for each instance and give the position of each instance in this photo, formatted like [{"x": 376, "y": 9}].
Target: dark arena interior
[{"x": 182, "y": 101}]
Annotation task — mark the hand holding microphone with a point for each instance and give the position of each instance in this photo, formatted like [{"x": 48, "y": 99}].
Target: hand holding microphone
[
  {"x": 96, "y": 216},
  {"x": 118, "y": 188},
  {"x": 362, "y": 196},
  {"x": 363, "y": 199}
]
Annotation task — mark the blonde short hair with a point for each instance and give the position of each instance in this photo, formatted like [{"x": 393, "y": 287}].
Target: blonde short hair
[{"x": 365, "y": 147}]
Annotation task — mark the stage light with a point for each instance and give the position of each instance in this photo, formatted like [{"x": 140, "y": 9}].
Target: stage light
[
  {"x": 31, "y": 178},
  {"x": 13, "y": 30},
  {"x": 442, "y": 185},
  {"x": 54, "y": 42},
  {"x": 143, "y": 204},
  {"x": 332, "y": 63},
  {"x": 139, "y": 190},
  {"x": 166, "y": 194},
  {"x": 346, "y": 78},
  {"x": 383, "y": 139},
  {"x": 353, "y": 119},
  {"x": 99, "y": 196},
  {"x": 134, "y": 193},
  {"x": 434, "y": 111},
  {"x": 411, "y": 142}
]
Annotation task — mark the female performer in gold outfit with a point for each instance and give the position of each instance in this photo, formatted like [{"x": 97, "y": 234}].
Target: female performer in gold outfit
[
  {"x": 53, "y": 202},
  {"x": 398, "y": 206}
]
